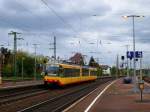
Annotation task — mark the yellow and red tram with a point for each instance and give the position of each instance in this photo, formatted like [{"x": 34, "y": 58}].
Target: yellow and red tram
[{"x": 65, "y": 74}]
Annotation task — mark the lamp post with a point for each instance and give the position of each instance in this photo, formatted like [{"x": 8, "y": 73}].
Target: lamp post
[{"x": 134, "y": 58}]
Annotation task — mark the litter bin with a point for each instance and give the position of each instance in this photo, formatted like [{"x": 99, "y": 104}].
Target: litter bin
[
  {"x": 141, "y": 85},
  {"x": 127, "y": 80}
]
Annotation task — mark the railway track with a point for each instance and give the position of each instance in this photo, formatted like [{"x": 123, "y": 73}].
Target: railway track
[
  {"x": 60, "y": 102},
  {"x": 8, "y": 96},
  {"x": 17, "y": 90},
  {"x": 147, "y": 79},
  {"x": 9, "y": 99}
]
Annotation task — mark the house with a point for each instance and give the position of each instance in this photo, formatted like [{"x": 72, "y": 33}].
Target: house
[
  {"x": 106, "y": 70},
  {"x": 77, "y": 59}
]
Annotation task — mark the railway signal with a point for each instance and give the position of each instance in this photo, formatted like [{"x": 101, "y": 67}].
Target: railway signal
[{"x": 122, "y": 57}]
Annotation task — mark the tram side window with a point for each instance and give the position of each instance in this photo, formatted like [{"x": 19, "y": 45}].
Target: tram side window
[
  {"x": 66, "y": 72},
  {"x": 93, "y": 73},
  {"x": 71, "y": 72},
  {"x": 61, "y": 72},
  {"x": 85, "y": 72},
  {"x": 76, "y": 73}
]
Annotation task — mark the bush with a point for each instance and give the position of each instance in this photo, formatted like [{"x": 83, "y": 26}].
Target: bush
[
  {"x": 113, "y": 71},
  {"x": 99, "y": 72},
  {"x": 28, "y": 66},
  {"x": 7, "y": 70}
]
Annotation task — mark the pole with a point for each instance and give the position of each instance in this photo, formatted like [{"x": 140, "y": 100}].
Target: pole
[
  {"x": 130, "y": 67},
  {"x": 117, "y": 65},
  {"x": 134, "y": 60},
  {"x": 22, "y": 67},
  {"x": 54, "y": 47},
  {"x": 35, "y": 46},
  {"x": 1, "y": 67},
  {"x": 22, "y": 70},
  {"x": 141, "y": 69},
  {"x": 15, "y": 50},
  {"x": 127, "y": 62},
  {"x": 141, "y": 91}
]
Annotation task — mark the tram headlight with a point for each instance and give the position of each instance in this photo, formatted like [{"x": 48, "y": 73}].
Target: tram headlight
[{"x": 43, "y": 73}]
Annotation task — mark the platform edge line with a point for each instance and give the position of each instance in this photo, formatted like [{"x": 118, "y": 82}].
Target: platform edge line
[
  {"x": 79, "y": 101},
  {"x": 93, "y": 102}
]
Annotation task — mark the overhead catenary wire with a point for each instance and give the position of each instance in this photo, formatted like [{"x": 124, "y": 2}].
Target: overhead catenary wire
[
  {"x": 57, "y": 15},
  {"x": 78, "y": 15}
]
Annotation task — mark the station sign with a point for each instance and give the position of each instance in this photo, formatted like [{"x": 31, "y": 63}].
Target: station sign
[
  {"x": 138, "y": 54},
  {"x": 130, "y": 54}
]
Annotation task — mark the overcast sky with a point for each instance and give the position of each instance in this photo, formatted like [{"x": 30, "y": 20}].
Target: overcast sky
[{"x": 76, "y": 29}]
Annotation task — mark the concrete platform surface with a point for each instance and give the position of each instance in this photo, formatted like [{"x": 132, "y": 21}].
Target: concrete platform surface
[
  {"x": 10, "y": 84},
  {"x": 118, "y": 97}
]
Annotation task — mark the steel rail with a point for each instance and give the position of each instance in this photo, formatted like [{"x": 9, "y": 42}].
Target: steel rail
[{"x": 60, "y": 101}]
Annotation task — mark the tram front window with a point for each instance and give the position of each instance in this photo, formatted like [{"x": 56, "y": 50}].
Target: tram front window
[{"x": 52, "y": 71}]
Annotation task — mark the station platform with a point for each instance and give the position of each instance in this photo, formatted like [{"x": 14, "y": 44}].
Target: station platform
[
  {"x": 113, "y": 97},
  {"x": 17, "y": 84}
]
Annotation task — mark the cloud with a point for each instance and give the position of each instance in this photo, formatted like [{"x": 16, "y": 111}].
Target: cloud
[{"x": 74, "y": 26}]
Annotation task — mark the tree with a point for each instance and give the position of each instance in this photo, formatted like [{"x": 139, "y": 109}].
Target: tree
[
  {"x": 5, "y": 55},
  {"x": 113, "y": 71},
  {"x": 99, "y": 71},
  {"x": 93, "y": 63},
  {"x": 7, "y": 60},
  {"x": 29, "y": 66},
  {"x": 28, "y": 63}
]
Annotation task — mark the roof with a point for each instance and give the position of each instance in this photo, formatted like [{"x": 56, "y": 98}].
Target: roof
[
  {"x": 77, "y": 58},
  {"x": 104, "y": 66},
  {"x": 72, "y": 66}
]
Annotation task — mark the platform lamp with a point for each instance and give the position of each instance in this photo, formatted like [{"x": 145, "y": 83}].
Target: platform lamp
[{"x": 134, "y": 58}]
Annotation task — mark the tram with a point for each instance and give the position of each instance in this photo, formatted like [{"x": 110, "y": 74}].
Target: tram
[{"x": 65, "y": 74}]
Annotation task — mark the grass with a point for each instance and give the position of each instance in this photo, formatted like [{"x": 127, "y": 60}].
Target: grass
[{"x": 18, "y": 78}]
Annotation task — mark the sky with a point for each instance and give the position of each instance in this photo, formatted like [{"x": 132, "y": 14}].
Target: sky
[{"x": 93, "y": 27}]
